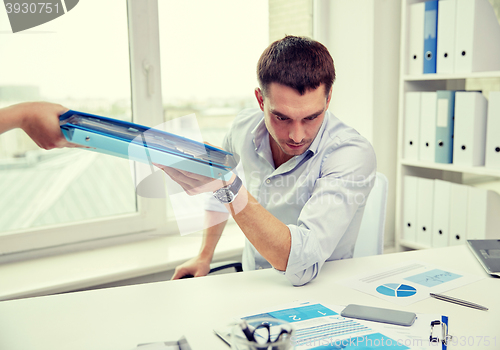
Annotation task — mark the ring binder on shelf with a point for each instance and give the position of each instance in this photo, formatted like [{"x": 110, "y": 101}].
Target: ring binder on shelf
[
  {"x": 144, "y": 144},
  {"x": 442, "y": 338}
]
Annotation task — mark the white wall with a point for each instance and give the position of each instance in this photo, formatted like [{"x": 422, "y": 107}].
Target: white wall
[
  {"x": 289, "y": 17},
  {"x": 350, "y": 42},
  {"x": 363, "y": 38}
]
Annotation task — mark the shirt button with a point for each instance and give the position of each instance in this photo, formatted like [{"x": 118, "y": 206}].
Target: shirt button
[
  {"x": 260, "y": 268},
  {"x": 268, "y": 181}
]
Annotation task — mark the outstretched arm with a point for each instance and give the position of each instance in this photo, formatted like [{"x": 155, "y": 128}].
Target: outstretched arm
[{"x": 40, "y": 120}]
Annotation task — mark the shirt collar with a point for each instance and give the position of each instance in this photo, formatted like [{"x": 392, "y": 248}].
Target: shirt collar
[
  {"x": 260, "y": 133},
  {"x": 315, "y": 144}
]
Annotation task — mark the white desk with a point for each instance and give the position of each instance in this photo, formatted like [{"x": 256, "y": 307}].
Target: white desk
[{"x": 120, "y": 318}]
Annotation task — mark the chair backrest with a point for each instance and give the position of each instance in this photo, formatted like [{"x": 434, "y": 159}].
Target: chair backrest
[{"x": 371, "y": 232}]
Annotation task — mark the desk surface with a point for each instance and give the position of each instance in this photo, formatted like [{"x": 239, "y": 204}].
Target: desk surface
[{"x": 120, "y": 318}]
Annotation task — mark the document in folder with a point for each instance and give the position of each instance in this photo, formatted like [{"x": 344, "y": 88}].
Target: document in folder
[
  {"x": 144, "y": 144},
  {"x": 319, "y": 326}
]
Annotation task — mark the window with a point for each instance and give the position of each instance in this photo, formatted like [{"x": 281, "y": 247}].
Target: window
[
  {"x": 49, "y": 198},
  {"x": 209, "y": 52},
  {"x": 105, "y": 58},
  {"x": 67, "y": 62}
]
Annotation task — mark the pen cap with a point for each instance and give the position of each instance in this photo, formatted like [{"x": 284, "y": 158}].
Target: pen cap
[{"x": 263, "y": 333}]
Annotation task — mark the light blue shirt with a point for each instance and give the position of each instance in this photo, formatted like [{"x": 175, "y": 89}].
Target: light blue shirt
[{"x": 320, "y": 195}]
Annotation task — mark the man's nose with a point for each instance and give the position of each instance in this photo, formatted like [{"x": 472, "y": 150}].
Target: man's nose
[{"x": 297, "y": 133}]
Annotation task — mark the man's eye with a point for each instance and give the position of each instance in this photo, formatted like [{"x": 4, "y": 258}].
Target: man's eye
[
  {"x": 282, "y": 118},
  {"x": 311, "y": 118}
]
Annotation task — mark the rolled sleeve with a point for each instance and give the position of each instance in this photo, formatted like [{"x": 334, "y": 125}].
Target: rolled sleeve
[
  {"x": 329, "y": 222},
  {"x": 212, "y": 204}
]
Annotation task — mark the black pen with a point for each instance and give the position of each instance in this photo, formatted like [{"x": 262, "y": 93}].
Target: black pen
[{"x": 458, "y": 301}]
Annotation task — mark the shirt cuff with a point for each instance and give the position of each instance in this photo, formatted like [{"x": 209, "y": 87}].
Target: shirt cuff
[
  {"x": 302, "y": 264},
  {"x": 212, "y": 204}
]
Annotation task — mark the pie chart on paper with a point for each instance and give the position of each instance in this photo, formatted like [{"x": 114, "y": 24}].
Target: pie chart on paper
[{"x": 396, "y": 290}]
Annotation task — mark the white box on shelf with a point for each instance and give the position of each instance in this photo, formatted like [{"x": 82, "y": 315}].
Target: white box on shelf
[
  {"x": 477, "y": 37},
  {"x": 458, "y": 214},
  {"x": 410, "y": 190},
  {"x": 446, "y": 37},
  {"x": 483, "y": 209},
  {"x": 415, "y": 59},
  {"x": 493, "y": 131},
  {"x": 425, "y": 210},
  {"x": 470, "y": 128},
  {"x": 441, "y": 217},
  {"x": 412, "y": 125},
  {"x": 427, "y": 142}
]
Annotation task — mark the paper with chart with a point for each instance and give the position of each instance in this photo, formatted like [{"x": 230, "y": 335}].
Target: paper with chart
[
  {"x": 319, "y": 326},
  {"x": 409, "y": 282}
]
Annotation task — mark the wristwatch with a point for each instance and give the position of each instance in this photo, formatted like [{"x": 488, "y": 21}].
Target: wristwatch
[{"x": 227, "y": 194}]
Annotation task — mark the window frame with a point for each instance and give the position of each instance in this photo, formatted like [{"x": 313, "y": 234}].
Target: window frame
[{"x": 147, "y": 109}]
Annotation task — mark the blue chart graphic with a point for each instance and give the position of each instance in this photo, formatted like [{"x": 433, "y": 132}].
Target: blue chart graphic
[
  {"x": 433, "y": 278},
  {"x": 301, "y": 313},
  {"x": 396, "y": 290}
]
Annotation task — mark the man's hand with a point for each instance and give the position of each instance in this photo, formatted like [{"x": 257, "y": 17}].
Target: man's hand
[
  {"x": 196, "y": 267},
  {"x": 193, "y": 183}
]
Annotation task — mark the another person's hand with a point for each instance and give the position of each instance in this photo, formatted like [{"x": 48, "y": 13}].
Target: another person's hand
[
  {"x": 40, "y": 120},
  {"x": 196, "y": 267}
]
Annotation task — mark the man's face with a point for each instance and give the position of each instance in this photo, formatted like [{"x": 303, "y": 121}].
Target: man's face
[{"x": 292, "y": 120}]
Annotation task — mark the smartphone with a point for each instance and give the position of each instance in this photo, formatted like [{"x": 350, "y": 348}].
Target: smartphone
[{"x": 369, "y": 313}]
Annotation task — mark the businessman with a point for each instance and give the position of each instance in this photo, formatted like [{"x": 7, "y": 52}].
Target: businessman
[
  {"x": 304, "y": 175},
  {"x": 40, "y": 120}
]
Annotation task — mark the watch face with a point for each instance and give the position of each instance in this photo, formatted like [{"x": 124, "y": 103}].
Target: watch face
[
  {"x": 228, "y": 193},
  {"x": 229, "y": 196},
  {"x": 224, "y": 195}
]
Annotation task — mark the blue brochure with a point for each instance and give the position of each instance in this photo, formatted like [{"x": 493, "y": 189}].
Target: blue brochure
[{"x": 147, "y": 145}]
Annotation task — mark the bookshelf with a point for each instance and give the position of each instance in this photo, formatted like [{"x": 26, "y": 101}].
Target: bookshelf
[{"x": 472, "y": 176}]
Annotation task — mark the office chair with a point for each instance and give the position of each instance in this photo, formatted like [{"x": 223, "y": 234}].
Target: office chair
[
  {"x": 371, "y": 231},
  {"x": 226, "y": 265},
  {"x": 214, "y": 267}
]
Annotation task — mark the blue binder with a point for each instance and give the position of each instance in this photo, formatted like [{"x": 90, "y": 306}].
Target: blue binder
[
  {"x": 444, "y": 126},
  {"x": 430, "y": 36},
  {"x": 143, "y": 144}
]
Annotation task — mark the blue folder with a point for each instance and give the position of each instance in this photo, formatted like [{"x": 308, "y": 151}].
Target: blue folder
[
  {"x": 444, "y": 126},
  {"x": 430, "y": 36},
  {"x": 147, "y": 145}
]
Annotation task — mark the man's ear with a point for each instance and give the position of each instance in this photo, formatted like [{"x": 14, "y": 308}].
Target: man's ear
[
  {"x": 329, "y": 98},
  {"x": 260, "y": 98}
]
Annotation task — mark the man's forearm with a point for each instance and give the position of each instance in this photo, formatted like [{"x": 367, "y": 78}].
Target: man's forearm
[
  {"x": 268, "y": 235},
  {"x": 11, "y": 117},
  {"x": 214, "y": 222}
]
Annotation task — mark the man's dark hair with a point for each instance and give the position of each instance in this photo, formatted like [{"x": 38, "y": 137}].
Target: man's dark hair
[{"x": 297, "y": 62}]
